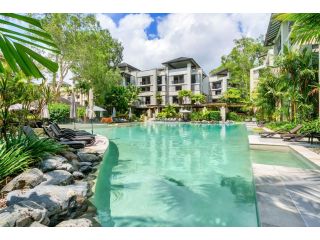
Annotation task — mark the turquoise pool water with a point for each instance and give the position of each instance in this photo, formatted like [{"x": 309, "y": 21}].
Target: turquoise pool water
[{"x": 168, "y": 174}]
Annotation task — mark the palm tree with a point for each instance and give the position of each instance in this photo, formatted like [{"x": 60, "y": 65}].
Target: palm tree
[
  {"x": 20, "y": 44},
  {"x": 305, "y": 30}
]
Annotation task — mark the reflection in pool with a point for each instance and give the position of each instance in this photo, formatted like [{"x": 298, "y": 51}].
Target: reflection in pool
[{"x": 176, "y": 175}]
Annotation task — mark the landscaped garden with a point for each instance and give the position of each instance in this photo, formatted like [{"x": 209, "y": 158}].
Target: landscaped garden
[{"x": 39, "y": 159}]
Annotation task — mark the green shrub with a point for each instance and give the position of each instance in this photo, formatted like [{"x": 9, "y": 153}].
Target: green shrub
[
  {"x": 19, "y": 152},
  {"x": 59, "y": 112},
  {"x": 281, "y": 126},
  {"x": 13, "y": 160},
  {"x": 233, "y": 117},
  {"x": 309, "y": 127},
  {"x": 81, "y": 112},
  {"x": 168, "y": 112},
  {"x": 213, "y": 116},
  {"x": 196, "y": 116}
]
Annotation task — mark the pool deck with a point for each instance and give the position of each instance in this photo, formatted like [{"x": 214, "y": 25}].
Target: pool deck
[{"x": 286, "y": 196}]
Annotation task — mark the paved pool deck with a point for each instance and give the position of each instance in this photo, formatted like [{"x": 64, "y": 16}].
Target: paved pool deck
[{"x": 286, "y": 196}]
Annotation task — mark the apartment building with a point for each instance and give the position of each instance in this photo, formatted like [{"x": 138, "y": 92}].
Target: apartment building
[
  {"x": 218, "y": 83},
  {"x": 165, "y": 82},
  {"x": 277, "y": 36}
]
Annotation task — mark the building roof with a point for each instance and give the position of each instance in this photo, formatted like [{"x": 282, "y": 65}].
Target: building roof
[
  {"x": 221, "y": 70},
  {"x": 178, "y": 60},
  {"x": 124, "y": 64},
  {"x": 272, "y": 32}
]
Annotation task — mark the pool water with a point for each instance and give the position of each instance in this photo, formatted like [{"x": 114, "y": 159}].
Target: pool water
[
  {"x": 286, "y": 158},
  {"x": 175, "y": 174}
]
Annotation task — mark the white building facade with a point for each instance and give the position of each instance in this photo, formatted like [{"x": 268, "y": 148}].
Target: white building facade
[{"x": 160, "y": 86}]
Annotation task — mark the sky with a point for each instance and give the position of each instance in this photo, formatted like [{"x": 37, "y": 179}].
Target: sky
[{"x": 150, "y": 39}]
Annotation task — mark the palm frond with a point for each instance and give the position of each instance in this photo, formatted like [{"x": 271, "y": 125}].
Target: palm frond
[{"x": 16, "y": 41}]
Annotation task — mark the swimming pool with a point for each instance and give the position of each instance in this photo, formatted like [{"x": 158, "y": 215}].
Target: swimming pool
[
  {"x": 173, "y": 174},
  {"x": 176, "y": 174}
]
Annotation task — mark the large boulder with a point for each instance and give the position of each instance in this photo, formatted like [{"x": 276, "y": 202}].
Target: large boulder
[
  {"x": 78, "y": 175},
  {"x": 56, "y": 163},
  {"x": 27, "y": 179},
  {"x": 81, "y": 222},
  {"x": 88, "y": 157},
  {"x": 23, "y": 214},
  {"x": 69, "y": 155},
  {"x": 52, "y": 163},
  {"x": 85, "y": 169},
  {"x": 62, "y": 202},
  {"x": 58, "y": 177}
]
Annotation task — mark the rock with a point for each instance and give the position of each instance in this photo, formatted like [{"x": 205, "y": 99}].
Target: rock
[
  {"x": 78, "y": 175},
  {"x": 37, "y": 224},
  {"x": 58, "y": 177},
  {"x": 75, "y": 164},
  {"x": 27, "y": 179},
  {"x": 88, "y": 157},
  {"x": 60, "y": 201},
  {"x": 66, "y": 166},
  {"x": 53, "y": 163},
  {"x": 23, "y": 214},
  {"x": 69, "y": 155},
  {"x": 85, "y": 164},
  {"x": 81, "y": 222},
  {"x": 85, "y": 169}
]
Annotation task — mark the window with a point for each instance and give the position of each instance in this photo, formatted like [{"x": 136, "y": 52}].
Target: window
[
  {"x": 159, "y": 80},
  {"x": 128, "y": 81},
  {"x": 178, "y": 79},
  {"x": 145, "y": 80},
  {"x": 145, "y": 89},
  {"x": 193, "y": 78},
  {"x": 147, "y": 100},
  {"x": 216, "y": 85},
  {"x": 175, "y": 99},
  {"x": 218, "y": 92},
  {"x": 159, "y": 89},
  {"x": 178, "y": 88}
]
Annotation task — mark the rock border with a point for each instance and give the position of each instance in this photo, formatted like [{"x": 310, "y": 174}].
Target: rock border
[{"x": 56, "y": 192}]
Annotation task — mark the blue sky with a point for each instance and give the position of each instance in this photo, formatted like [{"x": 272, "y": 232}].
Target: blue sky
[
  {"x": 151, "y": 31},
  {"x": 150, "y": 39}
]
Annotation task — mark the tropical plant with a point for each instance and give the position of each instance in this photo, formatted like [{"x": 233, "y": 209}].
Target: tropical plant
[
  {"x": 20, "y": 152},
  {"x": 59, "y": 112},
  {"x": 233, "y": 116},
  {"x": 132, "y": 94},
  {"x": 305, "y": 30},
  {"x": 232, "y": 95},
  {"x": 168, "y": 111},
  {"x": 183, "y": 95},
  {"x": 198, "y": 98},
  {"x": 243, "y": 57},
  {"x": 17, "y": 41},
  {"x": 159, "y": 98},
  {"x": 13, "y": 160}
]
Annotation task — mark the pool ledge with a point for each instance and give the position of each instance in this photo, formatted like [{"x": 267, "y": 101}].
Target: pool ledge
[
  {"x": 286, "y": 196},
  {"x": 256, "y": 142}
]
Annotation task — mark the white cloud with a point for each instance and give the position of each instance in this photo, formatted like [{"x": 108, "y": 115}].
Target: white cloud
[{"x": 205, "y": 37}]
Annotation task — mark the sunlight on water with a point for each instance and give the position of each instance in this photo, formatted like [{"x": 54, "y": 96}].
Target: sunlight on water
[{"x": 176, "y": 175}]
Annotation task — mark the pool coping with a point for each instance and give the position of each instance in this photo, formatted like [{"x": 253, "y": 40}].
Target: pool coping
[{"x": 285, "y": 196}]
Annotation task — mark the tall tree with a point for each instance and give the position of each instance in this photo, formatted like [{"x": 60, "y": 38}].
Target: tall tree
[
  {"x": 305, "y": 30},
  {"x": 244, "y": 56},
  {"x": 65, "y": 29},
  {"x": 96, "y": 61}
]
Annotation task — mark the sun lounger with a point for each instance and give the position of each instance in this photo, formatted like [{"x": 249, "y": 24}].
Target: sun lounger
[
  {"x": 71, "y": 131},
  {"x": 281, "y": 133},
  {"x": 28, "y": 131},
  {"x": 58, "y": 134},
  {"x": 296, "y": 137}
]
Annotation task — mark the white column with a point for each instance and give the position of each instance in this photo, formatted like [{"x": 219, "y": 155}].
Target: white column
[{"x": 223, "y": 114}]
